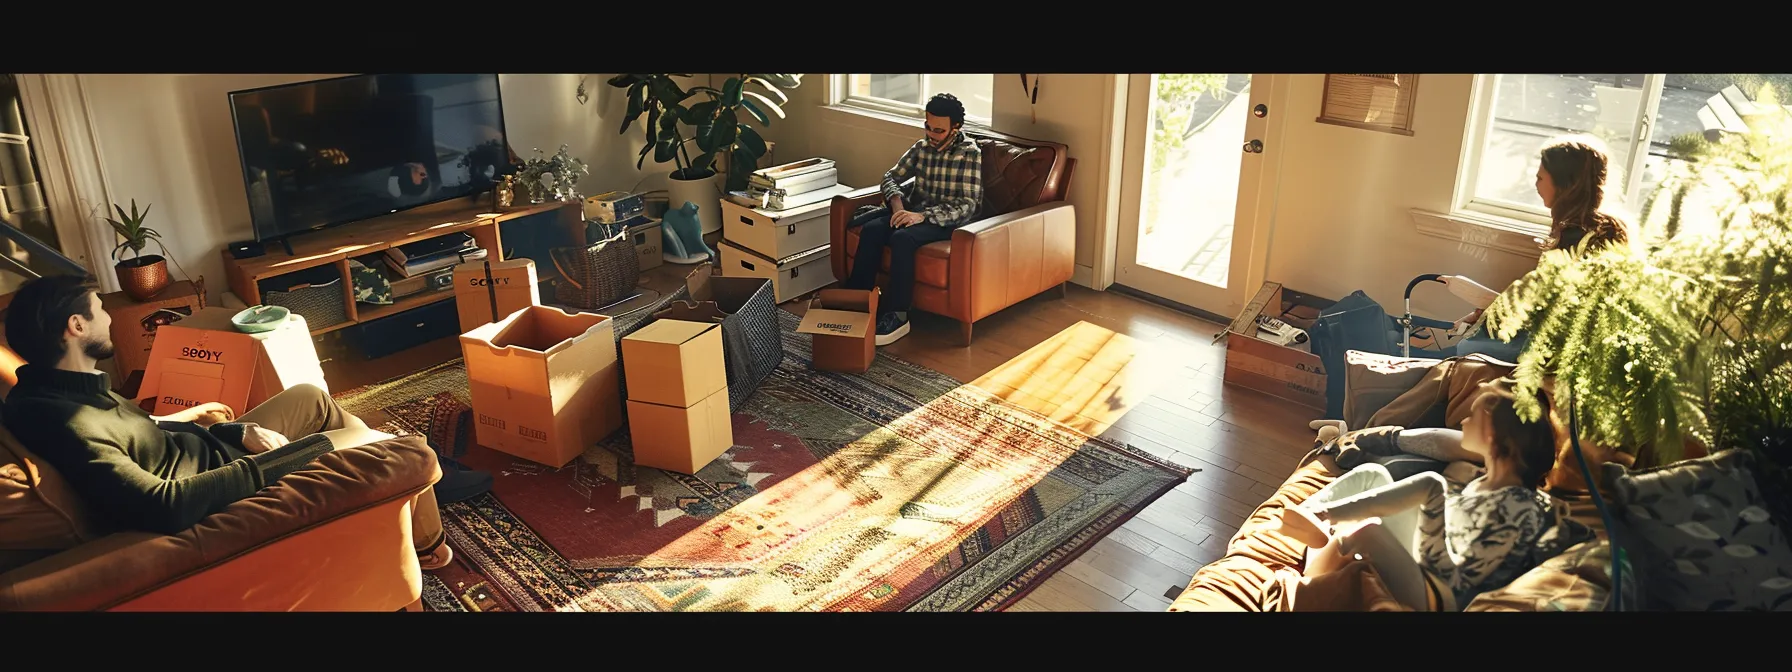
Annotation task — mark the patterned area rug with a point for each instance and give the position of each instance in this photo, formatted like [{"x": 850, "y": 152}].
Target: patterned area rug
[{"x": 895, "y": 490}]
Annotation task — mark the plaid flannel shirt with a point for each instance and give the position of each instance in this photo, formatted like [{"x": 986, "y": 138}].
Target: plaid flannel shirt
[{"x": 948, "y": 187}]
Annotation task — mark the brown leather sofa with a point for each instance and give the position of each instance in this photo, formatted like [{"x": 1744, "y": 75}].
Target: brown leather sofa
[
  {"x": 1023, "y": 241},
  {"x": 335, "y": 536}
]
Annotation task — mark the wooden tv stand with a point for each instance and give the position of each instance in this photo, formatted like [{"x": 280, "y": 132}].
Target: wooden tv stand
[{"x": 335, "y": 246}]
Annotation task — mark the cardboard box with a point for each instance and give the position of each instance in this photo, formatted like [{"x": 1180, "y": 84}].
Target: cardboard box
[
  {"x": 777, "y": 234},
  {"x": 1259, "y": 364},
  {"x": 204, "y": 358},
  {"x": 843, "y": 328},
  {"x": 681, "y": 440},
  {"x": 544, "y": 383},
  {"x": 134, "y": 324},
  {"x": 488, "y": 291},
  {"x": 647, "y": 241},
  {"x": 674, "y": 363},
  {"x": 791, "y": 277}
]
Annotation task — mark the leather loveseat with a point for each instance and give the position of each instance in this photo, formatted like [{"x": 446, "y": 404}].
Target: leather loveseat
[
  {"x": 335, "y": 536},
  {"x": 1022, "y": 243}
]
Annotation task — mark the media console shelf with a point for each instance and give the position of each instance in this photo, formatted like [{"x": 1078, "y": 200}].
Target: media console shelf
[{"x": 335, "y": 246}]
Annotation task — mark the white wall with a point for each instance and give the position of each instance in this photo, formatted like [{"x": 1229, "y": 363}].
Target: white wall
[
  {"x": 168, "y": 140},
  {"x": 1340, "y": 221}
]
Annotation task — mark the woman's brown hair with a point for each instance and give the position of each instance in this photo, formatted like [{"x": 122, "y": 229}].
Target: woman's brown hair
[
  {"x": 1530, "y": 444},
  {"x": 1578, "y": 167}
]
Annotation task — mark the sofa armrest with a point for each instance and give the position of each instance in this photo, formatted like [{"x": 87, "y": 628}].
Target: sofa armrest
[
  {"x": 1002, "y": 260},
  {"x": 839, "y": 215},
  {"x": 124, "y": 566}
]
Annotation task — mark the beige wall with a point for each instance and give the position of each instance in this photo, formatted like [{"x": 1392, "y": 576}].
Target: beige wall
[
  {"x": 168, "y": 140},
  {"x": 1341, "y": 219}
]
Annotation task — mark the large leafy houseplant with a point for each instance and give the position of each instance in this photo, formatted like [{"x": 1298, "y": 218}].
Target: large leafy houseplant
[
  {"x": 1685, "y": 338},
  {"x": 714, "y": 120}
]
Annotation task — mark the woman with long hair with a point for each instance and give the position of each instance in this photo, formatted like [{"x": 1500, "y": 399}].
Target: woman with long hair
[{"x": 1571, "y": 180}]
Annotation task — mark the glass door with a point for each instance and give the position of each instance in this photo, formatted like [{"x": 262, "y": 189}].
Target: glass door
[{"x": 1197, "y": 150}]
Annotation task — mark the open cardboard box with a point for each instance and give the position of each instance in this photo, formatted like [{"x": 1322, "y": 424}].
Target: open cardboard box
[
  {"x": 1261, "y": 364},
  {"x": 203, "y": 358},
  {"x": 544, "y": 383},
  {"x": 842, "y": 324}
]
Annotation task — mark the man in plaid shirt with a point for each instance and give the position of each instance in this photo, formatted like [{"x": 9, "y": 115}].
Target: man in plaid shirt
[{"x": 947, "y": 193}]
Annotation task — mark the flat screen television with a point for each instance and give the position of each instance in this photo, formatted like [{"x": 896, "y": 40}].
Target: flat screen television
[{"x": 328, "y": 152}]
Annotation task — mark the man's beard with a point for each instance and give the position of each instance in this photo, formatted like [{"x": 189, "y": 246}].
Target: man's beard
[{"x": 98, "y": 350}]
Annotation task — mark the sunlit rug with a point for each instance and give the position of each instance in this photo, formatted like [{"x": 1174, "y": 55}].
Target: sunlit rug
[{"x": 897, "y": 490}]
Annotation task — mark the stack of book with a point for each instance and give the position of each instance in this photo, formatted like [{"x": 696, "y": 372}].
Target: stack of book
[{"x": 791, "y": 185}]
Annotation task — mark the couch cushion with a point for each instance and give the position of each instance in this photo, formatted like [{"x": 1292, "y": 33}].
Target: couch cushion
[
  {"x": 1247, "y": 578},
  {"x": 1709, "y": 544},
  {"x": 1373, "y": 380},
  {"x": 38, "y": 509},
  {"x": 1014, "y": 177},
  {"x": 932, "y": 261},
  {"x": 1577, "y": 580}
]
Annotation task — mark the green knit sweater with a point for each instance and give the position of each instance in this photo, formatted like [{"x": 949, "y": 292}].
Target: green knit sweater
[{"x": 137, "y": 473}]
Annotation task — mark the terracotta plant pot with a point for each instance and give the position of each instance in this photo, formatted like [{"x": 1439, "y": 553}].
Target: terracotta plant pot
[{"x": 143, "y": 277}]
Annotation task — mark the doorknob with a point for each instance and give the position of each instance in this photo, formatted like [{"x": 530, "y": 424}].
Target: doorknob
[
  {"x": 1254, "y": 147},
  {"x": 1260, "y": 110}
]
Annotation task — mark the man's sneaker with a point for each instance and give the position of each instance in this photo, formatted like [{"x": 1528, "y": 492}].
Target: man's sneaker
[
  {"x": 891, "y": 327},
  {"x": 460, "y": 482}
]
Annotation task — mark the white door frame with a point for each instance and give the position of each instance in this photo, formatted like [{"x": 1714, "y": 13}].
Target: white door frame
[
  {"x": 1257, "y": 190},
  {"x": 74, "y": 180}
]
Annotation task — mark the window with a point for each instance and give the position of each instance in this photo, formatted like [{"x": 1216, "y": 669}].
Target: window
[
  {"x": 1636, "y": 115},
  {"x": 27, "y": 230},
  {"x": 908, "y": 94}
]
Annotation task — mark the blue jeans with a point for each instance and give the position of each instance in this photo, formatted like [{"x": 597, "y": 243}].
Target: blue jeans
[{"x": 875, "y": 234}]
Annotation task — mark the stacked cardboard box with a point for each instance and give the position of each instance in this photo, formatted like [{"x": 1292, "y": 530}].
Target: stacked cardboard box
[
  {"x": 778, "y": 228},
  {"x": 678, "y": 413}
]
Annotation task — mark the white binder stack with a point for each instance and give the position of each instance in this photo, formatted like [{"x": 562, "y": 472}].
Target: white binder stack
[{"x": 791, "y": 185}]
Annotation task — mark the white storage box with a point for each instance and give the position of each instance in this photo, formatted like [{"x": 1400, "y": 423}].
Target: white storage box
[
  {"x": 776, "y": 234},
  {"x": 792, "y": 277}
]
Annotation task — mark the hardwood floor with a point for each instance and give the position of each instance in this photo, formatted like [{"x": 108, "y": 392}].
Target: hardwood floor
[{"x": 1107, "y": 364}]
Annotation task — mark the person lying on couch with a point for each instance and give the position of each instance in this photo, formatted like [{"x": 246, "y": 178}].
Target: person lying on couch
[
  {"x": 1437, "y": 546},
  {"x": 165, "y": 474}
]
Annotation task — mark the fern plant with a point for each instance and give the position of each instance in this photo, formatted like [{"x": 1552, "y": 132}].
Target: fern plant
[{"x": 1681, "y": 339}]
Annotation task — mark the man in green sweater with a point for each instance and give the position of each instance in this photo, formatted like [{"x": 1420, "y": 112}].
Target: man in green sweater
[{"x": 165, "y": 474}]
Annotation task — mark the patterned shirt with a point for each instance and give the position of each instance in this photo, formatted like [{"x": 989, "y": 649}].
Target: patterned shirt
[{"x": 948, "y": 187}]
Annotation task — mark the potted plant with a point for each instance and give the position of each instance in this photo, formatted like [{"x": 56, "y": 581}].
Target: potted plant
[
  {"x": 716, "y": 123},
  {"x": 1681, "y": 340},
  {"x": 141, "y": 276}
]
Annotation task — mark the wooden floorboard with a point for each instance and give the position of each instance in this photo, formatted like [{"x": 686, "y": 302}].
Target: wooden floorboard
[{"x": 1107, "y": 364}]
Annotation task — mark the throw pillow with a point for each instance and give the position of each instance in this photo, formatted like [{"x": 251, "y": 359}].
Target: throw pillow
[{"x": 1714, "y": 545}]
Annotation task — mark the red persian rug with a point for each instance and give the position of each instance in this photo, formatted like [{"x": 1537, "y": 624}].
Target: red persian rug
[{"x": 896, "y": 490}]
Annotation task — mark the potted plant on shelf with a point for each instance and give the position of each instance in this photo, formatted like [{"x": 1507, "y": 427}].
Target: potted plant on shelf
[
  {"x": 717, "y": 124},
  {"x": 1681, "y": 340},
  {"x": 141, "y": 276}
]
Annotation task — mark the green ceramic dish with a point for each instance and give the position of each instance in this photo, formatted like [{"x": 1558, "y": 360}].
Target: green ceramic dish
[{"x": 260, "y": 319}]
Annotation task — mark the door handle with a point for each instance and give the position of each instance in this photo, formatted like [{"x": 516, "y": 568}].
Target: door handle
[
  {"x": 1255, "y": 146},
  {"x": 1260, "y": 110}
]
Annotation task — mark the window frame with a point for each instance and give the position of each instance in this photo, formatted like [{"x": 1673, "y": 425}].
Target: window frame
[
  {"x": 843, "y": 97},
  {"x": 1533, "y": 218}
]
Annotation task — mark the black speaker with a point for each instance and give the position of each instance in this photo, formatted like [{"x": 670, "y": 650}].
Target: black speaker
[{"x": 246, "y": 249}]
